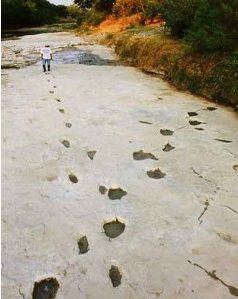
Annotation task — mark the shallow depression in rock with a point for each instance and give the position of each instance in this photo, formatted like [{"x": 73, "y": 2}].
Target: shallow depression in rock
[
  {"x": 115, "y": 276},
  {"x": 156, "y": 174},
  {"x": 142, "y": 156},
  {"x": 116, "y": 193},
  {"x": 114, "y": 228},
  {"x": 46, "y": 288},
  {"x": 83, "y": 245}
]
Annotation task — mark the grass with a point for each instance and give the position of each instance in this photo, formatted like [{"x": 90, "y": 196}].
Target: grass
[{"x": 212, "y": 75}]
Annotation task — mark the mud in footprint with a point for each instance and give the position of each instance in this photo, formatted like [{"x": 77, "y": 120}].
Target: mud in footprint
[
  {"x": 211, "y": 108},
  {"x": 73, "y": 178},
  {"x": 166, "y": 132},
  {"x": 156, "y": 174},
  {"x": 51, "y": 91},
  {"x": 114, "y": 228},
  {"x": 145, "y": 122},
  {"x": 103, "y": 190},
  {"x": 116, "y": 193},
  {"x": 168, "y": 147},
  {"x": 115, "y": 276},
  {"x": 66, "y": 143},
  {"x": 195, "y": 122},
  {"x": 68, "y": 125},
  {"x": 142, "y": 156},
  {"x": 83, "y": 245},
  {"x": 223, "y": 140},
  {"x": 46, "y": 288},
  {"x": 192, "y": 113},
  {"x": 91, "y": 154},
  {"x": 61, "y": 110}
]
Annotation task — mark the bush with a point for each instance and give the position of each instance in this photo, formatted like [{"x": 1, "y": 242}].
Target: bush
[
  {"x": 81, "y": 16},
  {"x": 95, "y": 17},
  {"x": 215, "y": 25},
  {"x": 178, "y": 15}
]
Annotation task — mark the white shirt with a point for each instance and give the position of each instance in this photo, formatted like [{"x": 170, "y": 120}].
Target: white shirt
[{"x": 46, "y": 52}]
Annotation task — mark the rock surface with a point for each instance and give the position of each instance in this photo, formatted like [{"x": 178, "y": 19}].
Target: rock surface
[{"x": 178, "y": 229}]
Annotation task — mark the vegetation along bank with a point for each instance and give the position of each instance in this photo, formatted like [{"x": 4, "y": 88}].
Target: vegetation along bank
[{"x": 192, "y": 44}]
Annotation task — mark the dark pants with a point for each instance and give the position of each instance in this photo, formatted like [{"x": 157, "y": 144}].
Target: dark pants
[{"x": 44, "y": 62}]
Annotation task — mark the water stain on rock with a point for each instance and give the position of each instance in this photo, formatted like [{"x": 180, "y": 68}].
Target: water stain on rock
[
  {"x": 68, "y": 125},
  {"x": 168, "y": 147},
  {"x": 145, "y": 122},
  {"x": 114, "y": 228},
  {"x": 116, "y": 193},
  {"x": 228, "y": 238},
  {"x": 194, "y": 122},
  {"x": 103, "y": 190},
  {"x": 142, "y": 156},
  {"x": 211, "y": 108},
  {"x": 156, "y": 174},
  {"x": 91, "y": 154},
  {"x": 83, "y": 245},
  {"x": 46, "y": 288},
  {"x": 61, "y": 111},
  {"x": 223, "y": 140},
  {"x": 166, "y": 132},
  {"x": 192, "y": 113},
  {"x": 115, "y": 276},
  {"x": 51, "y": 178},
  {"x": 66, "y": 143},
  {"x": 73, "y": 178}
]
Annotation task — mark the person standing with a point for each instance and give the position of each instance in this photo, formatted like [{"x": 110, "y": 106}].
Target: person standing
[{"x": 46, "y": 57}]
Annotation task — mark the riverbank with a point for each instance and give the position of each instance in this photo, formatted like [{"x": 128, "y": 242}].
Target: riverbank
[{"x": 212, "y": 75}]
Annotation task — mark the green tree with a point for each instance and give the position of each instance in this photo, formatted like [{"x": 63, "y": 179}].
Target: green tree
[
  {"x": 215, "y": 25},
  {"x": 84, "y": 4}
]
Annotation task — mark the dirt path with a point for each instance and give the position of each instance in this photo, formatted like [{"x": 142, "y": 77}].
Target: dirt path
[{"x": 101, "y": 150}]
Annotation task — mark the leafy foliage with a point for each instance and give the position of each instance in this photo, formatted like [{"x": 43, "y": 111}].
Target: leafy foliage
[
  {"x": 209, "y": 25},
  {"x": 20, "y": 13}
]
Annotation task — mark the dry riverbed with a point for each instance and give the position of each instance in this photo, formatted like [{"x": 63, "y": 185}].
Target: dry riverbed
[{"x": 114, "y": 184}]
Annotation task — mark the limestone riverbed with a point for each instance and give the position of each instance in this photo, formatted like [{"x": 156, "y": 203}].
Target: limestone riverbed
[{"x": 114, "y": 184}]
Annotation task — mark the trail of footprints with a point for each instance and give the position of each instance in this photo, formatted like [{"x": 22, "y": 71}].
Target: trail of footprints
[{"x": 47, "y": 287}]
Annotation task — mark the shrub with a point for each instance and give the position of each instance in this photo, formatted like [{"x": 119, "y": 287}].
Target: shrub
[
  {"x": 178, "y": 15},
  {"x": 95, "y": 17},
  {"x": 215, "y": 25}
]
